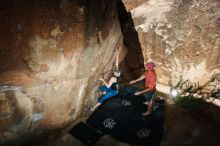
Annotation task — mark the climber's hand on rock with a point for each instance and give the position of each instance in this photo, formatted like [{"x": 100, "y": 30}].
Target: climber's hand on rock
[{"x": 101, "y": 79}]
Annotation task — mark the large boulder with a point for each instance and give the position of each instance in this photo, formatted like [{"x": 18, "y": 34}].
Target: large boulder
[
  {"x": 50, "y": 61},
  {"x": 181, "y": 36}
]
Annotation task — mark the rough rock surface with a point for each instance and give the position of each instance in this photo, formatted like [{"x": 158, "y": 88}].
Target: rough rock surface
[
  {"x": 50, "y": 61},
  {"x": 181, "y": 36}
]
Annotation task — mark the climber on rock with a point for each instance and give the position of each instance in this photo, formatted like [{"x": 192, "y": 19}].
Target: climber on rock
[
  {"x": 150, "y": 85},
  {"x": 110, "y": 88}
]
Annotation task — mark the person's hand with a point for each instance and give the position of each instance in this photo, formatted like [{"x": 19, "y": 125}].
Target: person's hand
[
  {"x": 149, "y": 60},
  {"x": 132, "y": 82},
  {"x": 101, "y": 79},
  {"x": 138, "y": 93}
]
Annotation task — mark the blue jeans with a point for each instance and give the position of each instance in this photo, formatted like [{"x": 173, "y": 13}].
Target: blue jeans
[{"x": 109, "y": 93}]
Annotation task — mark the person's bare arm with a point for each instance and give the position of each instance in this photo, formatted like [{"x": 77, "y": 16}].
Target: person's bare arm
[
  {"x": 116, "y": 61},
  {"x": 142, "y": 92},
  {"x": 137, "y": 80},
  {"x": 109, "y": 84},
  {"x": 118, "y": 50},
  {"x": 151, "y": 87},
  {"x": 100, "y": 36}
]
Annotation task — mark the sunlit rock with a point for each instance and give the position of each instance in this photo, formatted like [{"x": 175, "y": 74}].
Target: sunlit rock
[{"x": 182, "y": 37}]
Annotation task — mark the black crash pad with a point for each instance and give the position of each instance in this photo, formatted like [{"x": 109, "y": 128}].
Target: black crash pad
[
  {"x": 121, "y": 117},
  {"x": 85, "y": 134}
]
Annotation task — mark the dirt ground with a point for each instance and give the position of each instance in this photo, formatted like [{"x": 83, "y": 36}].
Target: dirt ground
[{"x": 192, "y": 129}]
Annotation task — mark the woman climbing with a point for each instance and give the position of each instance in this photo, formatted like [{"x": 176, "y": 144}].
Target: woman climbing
[{"x": 109, "y": 89}]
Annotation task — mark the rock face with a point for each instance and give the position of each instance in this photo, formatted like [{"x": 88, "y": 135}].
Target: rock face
[
  {"x": 134, "y": 58},
  {"x": 181, "y": 36},
  {"x": 50, "y": 61}
]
